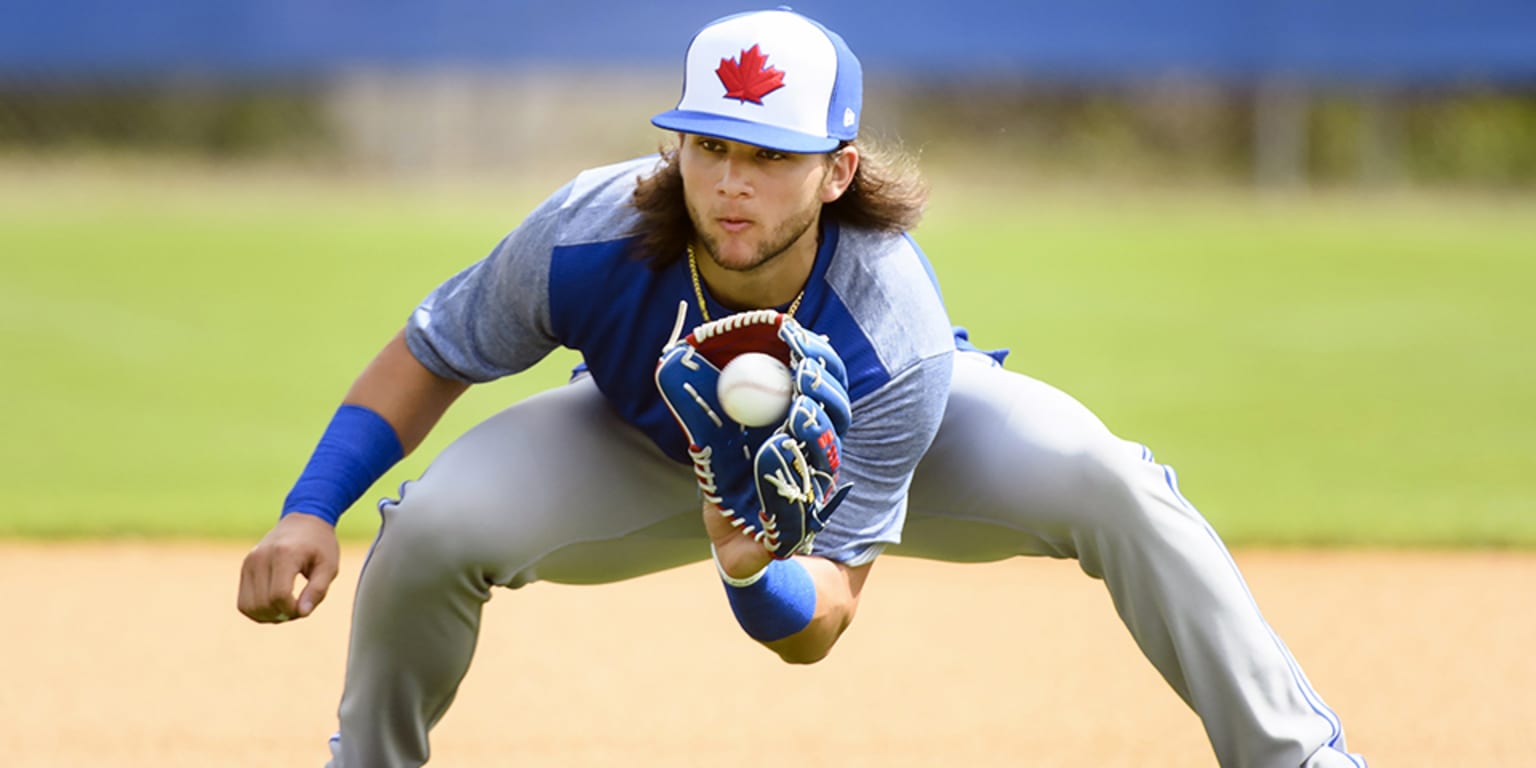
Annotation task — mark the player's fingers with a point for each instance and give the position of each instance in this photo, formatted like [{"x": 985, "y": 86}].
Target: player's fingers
[
  {"x": 688, "y": 382},
  {"x": 267, "y": 590},
  {"x": 247, "y": 601},
  {"x": 812, "y": 380},
  {"x": 806, "y": 345},
  {"x": 318, "y": 583}
]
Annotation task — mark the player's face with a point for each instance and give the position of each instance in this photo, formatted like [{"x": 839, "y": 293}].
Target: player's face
[{"x": 750, "y": 204}]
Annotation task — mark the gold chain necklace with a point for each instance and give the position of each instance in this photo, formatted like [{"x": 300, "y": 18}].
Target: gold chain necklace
[{"x": 698, "y": 288}]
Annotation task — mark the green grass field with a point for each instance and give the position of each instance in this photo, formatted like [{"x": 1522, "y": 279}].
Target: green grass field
[{"x": 1327, "y": 369}]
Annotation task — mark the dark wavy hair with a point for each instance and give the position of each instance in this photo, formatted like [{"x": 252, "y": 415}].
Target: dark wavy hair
[{"x": 887, "y": 194}]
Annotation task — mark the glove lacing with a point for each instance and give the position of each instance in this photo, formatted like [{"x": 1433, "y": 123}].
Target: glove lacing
[
  {"x": 732, "y": 322},
  {"x": 704, "y": 471}
]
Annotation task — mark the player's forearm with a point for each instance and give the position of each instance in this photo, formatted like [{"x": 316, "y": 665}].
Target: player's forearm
[
  {"x": 385, "y": 415},
  {"x": 401, "y": 390},
  {"x": 837, "y": 590},
  {"x": 797, "y": 608}
]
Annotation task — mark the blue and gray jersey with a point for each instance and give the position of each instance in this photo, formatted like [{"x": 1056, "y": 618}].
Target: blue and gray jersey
[{"x": 567, "y": 276}]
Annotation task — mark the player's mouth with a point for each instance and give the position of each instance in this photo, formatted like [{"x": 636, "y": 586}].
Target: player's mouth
[{"x": 734, "y": 226}]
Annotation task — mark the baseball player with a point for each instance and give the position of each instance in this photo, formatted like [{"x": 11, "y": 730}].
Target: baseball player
[{"x": 768, "y": 228}]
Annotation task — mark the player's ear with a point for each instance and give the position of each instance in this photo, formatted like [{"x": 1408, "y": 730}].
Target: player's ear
[{"x": 844, "y": 163}]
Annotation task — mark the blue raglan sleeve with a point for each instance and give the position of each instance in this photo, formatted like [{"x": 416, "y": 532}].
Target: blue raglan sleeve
[{"x": 493, "y": 318}]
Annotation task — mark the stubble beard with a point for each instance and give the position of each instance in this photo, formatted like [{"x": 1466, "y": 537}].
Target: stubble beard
[{"x": 786, "y": 234}]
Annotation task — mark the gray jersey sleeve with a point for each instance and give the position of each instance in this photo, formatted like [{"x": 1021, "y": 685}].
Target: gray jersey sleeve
[
  {"x": 493, "y": 319},
  {"x": 898, "y": 316},
  {"x": 892, "y": 429}
]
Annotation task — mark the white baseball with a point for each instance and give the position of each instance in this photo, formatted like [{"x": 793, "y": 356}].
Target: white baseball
[{"x": 755, "y": 389}]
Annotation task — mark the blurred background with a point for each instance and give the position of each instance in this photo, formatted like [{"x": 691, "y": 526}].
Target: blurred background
[
  {"x": 1306, "y": 91},
  {"x": 1289, "y": 244}
]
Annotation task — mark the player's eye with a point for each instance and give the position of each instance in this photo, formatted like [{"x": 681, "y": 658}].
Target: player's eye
[{"x": 769, "y": 154}]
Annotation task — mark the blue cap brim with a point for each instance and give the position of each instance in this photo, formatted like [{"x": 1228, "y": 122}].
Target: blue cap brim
[{"x": 731, "y": 129}]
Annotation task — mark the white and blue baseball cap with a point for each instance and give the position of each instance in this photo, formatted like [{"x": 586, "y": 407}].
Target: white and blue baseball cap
[{"x": 773, "y": 79}]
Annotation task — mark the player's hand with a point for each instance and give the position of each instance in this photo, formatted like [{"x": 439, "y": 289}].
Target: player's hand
[
  {"x": 796, "y": 469},
  {"x": 819, "y": 373},
  {"x": 738, "y": 555},
  {"x": 299, "y": 544},
  {"x": 687, "y": 376}
]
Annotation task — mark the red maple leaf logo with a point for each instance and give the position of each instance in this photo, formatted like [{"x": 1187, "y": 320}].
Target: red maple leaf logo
[{"x": 751, "y": 79}]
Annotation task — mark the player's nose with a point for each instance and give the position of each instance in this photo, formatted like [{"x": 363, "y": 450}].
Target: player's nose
[{"x": 735, "y": 179}]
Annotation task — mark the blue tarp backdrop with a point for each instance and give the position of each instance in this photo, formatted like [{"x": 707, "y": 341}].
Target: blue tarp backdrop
[{"x": 1413, "y": 41}]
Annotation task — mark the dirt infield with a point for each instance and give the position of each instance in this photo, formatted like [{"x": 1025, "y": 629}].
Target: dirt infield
[{"x": 133, "y": 655}]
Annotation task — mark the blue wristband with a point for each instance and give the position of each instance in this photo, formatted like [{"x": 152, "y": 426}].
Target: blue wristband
[
  {"x": 358, "y": 447},
  {"x": 776, "y": 603}
]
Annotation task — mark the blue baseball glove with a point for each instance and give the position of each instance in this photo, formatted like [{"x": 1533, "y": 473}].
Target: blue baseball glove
[{"x": 778, "y": 484}]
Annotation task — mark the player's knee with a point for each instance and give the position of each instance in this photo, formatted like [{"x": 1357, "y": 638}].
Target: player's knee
[
  {"x": 1109, "y": 486},
  {"x": 439, "y": 532}
]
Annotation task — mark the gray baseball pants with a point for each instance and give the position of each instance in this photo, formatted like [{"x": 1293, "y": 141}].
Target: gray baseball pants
[{"x": 1017, "y": 468}]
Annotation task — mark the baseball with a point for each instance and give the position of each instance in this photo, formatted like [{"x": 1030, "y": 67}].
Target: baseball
[{"x": 755, "y": 389}]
